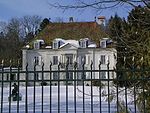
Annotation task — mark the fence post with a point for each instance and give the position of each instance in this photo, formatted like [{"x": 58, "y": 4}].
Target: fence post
[
  {"x": 42, "y": 84},
  {"x": 108, "y": 86},
  {"x": 67, "y": 78},
  {"x": 75, "y": 83},
  {"x": 34, "y": 83},
  {"x": 26, "y": 84},
  {"x": 59, "y": 87},
  {"x": 50, "y": 72},
  {"x": 100, "y": 104},
  {"x": 10, "y": 86},
  {"x": 91, "y": 67},
  {"x": 2, "y": 90},
  {"x": 83, "y": 85},
  {"x": 18, "y": 79}
]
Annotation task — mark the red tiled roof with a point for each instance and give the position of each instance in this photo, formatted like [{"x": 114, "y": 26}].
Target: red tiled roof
[
  {"x": 74, "y": 24},
  {"x": 72, "y": 30}
]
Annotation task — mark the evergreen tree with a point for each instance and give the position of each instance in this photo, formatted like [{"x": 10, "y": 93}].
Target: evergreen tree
[
  {"x": 134, "y": 45},
  {"x": 44, "y": 23}
]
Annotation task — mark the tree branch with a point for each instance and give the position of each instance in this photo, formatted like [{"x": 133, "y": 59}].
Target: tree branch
[{"x": 99, "y": 4}]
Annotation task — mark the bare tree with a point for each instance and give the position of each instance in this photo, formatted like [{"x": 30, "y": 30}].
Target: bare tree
[
  {"x": 3, "y": 28},
  {"x": 100, "y": 4},
  {"x": 13, "y": 28},
  {"x": 30, "y": 24}
]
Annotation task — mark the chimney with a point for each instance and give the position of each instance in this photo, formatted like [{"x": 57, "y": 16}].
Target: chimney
[
  {"x": 95, "y": 18},
  {"x": 101, "y": 20},
  {"x": 70, "y": 19}
]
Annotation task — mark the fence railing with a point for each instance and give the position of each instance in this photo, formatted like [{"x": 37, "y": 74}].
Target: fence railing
[{"x": 74, "y": 90}]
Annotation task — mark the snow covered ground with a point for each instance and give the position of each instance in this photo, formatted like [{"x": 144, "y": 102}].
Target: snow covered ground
[{"x": 63, "y": 100}]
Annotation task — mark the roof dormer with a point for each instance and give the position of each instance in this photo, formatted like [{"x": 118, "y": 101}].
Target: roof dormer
[
  {"x": 105, "y": 42},
  {"x": 38, "y": 44},
  {"x": 57, "y": 43},
  {"x": 84, "y": 43}
]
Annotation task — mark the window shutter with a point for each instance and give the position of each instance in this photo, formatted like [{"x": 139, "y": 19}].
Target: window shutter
[
  {"x": 74, "y": 58},
  {"x": 59, "y": 59},
  {"x": 40, "y": 60},
  {"x": 88, "y": 60},
  {"x": 103, "y": 59},
  {"x": 36, "y": 45},
  {"x": 79, "y": 59}
]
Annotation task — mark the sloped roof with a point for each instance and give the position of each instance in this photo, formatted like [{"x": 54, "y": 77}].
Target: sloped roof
[
  {"x": 92, "y": 46},
  {"x": 74, "y": 43},
  {"x": 72, "y": 30},
  {"x": 74, "y": 24}
]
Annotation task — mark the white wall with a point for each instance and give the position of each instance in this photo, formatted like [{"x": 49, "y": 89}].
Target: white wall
[{"x": 93, "y": 54}]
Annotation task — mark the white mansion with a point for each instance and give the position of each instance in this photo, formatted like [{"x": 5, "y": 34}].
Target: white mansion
[{"x": 68, "y": 52}]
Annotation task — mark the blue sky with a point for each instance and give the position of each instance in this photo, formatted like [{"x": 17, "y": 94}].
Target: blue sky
[{"x": 20, "y": 8}]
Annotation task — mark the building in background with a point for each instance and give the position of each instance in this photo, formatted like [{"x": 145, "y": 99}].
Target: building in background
[
  {"x": 72, "y": 29},
  {"x": 66, "y": 53},
  {"x": 8, "y": 74}
]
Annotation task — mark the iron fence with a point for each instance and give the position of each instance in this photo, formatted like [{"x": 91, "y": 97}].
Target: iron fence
[{"x": 74, "y": 90}]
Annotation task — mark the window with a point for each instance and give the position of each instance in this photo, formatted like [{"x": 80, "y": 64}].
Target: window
[
  {"x": 55, "y": 75},
  {"x": 103, "y": 60},
  {"x": 12, "y": 76},
  {"x": 55, "y": 60},
  {"x": 7, "y": 76},
  {"x": 83, "y": 59},
  {"x": 83, "y": 75},
  {"x": 37, "y": 60},
  {"x": 36, "y": 45},
  {"x": 36, "y": 76},
  {"x": 103, "y": 75},
  {"x": 83, "y": 44},
  {"x": 69, "y": 76},
  {"x": 103, "y": 44},
  {"x": 69, "y": 58},
  {"x": 55, "y": 45}
]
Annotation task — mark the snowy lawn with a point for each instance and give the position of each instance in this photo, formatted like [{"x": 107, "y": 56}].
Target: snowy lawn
[{"x": 63, "y": 100}]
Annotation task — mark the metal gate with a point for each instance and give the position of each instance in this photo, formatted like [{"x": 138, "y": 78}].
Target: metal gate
[{"x": 74, "y": 90}]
